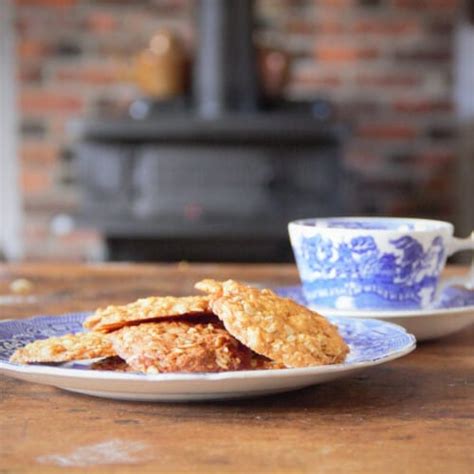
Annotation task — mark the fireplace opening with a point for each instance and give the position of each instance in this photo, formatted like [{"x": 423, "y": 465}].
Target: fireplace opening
[{"x": 216, "y": 175}]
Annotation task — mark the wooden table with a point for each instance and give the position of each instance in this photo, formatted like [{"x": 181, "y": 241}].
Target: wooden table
[{"x": 411, "y": 415}]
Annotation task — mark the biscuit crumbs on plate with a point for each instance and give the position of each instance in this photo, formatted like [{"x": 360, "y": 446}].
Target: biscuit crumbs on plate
[
  {"x": 180, "y": 346},
  {"x": 146, "y": 310},
  {"x": 275, "y": 327},
  {"x": 84, "y": 345}
]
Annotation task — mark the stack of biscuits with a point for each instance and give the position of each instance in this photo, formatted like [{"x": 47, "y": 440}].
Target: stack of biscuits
[{"x": 231, "y": 327}]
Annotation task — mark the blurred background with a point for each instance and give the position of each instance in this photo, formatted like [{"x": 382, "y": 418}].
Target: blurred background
[{"x": 169, "y": 130}]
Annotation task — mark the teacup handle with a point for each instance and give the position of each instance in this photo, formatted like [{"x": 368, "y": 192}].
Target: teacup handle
[
  {"x": 467, "y": 280},
  {"x": 456, "y": 244}
]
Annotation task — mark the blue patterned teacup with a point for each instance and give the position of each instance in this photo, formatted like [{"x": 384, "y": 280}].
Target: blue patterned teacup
[{"x": 373, "y": 263}]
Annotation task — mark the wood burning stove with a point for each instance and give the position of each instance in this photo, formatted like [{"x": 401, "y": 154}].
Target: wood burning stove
[{"x": 217, "y": 181}]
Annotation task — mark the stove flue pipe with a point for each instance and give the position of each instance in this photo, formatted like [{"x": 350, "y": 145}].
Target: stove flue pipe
[{"x": 225, "y": 70}]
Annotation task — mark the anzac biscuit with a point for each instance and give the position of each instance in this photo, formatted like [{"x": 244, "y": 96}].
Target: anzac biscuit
[
  {"x": 275, "y": 327},
  {"x": 259, "y": 362},
  {"x": 64, "y": 349},
  {"x": 145, "y": 310},
  {"x": 179, "y": 346},
  {"x": 114, "y": 363}
]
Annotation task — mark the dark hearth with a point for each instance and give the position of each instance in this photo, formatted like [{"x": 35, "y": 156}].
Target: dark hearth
[{"x": 219, "y": 180}]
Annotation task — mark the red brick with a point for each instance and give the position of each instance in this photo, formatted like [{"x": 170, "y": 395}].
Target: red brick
[
  {"x": 35, "y": 231},
  {"x": 422, "y": 106},
  {"x": 310, "y": 26},
  {"x": 57, "y": 127},
  {"x": 443, "y": 5},
  {"x": 312, "y": 78},
  {"x": 299, "y": 26},
  {"x": 387, "y": 131},
  {"x": 79, "y": 237},
  {"x": 174, "y": 6},
  {"x": 47, "y": 250},
  {"x": 57, "y": 200},
  {"x": 381, "y": 79},
  {"x": 41, "y": 153},
  {"x": 42, "y": 101},
  {"x": 437, "y": 158},
  {"x": 339, "y": 27},
  {"x": 334, "y": 3},
  {"x": 89, "y": 75},
  {"x": 386, "y": 27},
  {"x": 345, "y": 53},
  {"x": 35, "y": 181},
  {"x": 29, "y": 73},
  {"x": 28, "y": 49},
  {"x": 101, "y": 22},
  {"x": 330, "y": 27},
  {"x": 45, "y": 246},
  {"x": 47, "y": 3}
]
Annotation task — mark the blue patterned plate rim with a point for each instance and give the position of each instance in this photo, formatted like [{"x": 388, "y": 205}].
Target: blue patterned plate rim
[
  {"x": 371, "y": 341},
  {"x": 453, "y": 300}
]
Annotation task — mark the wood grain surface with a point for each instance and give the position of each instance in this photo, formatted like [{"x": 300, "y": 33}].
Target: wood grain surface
[{"x": 411, "y": 415}]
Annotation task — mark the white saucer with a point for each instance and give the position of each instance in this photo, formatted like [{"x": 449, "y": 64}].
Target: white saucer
[
  {"x": 371, "y": 343},
  {"x": 455, "y": 312}
]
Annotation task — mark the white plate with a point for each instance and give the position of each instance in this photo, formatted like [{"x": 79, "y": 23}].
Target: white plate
[
  {"x": 455, "y": 312},
  {"x": 371, "y": 342}
]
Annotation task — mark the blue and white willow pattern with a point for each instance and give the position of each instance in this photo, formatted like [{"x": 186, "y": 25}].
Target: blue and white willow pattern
[
  {"x": 369, "y": 340},
  {"x": 402, "y": 274},
  {"x": 375, "y": 263},
  {"x": 451, "y": 297}
]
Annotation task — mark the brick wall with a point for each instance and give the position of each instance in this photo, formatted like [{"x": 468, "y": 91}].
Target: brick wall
[{"x": 386, "y": 64}]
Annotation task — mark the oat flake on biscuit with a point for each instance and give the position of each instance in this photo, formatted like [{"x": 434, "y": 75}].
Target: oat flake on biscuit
[
  {"x": 179, "y": 346},
  {"x": 64, "y": 349},
  {"x": 275, "y": 327},
  {"x": 145, "y": 310}
]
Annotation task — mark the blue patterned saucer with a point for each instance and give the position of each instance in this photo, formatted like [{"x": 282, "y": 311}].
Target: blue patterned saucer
[
  {"x": 454, "y": 311},
  {"x": 452, "y": 297},
  {"x": 371, "y": 343}
]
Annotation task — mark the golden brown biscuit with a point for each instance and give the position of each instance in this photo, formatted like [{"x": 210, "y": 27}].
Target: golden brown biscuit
[
  {"x": 64, "y": 349},
  {"x": 146, "y": 310},
  {"x": 212, "y": 286},
  {"x": 275, "y": 327},
  {"x": 179, "y": 346},
  {"x": 114, "y": 363},
  {"x": 259, "y": 362}
]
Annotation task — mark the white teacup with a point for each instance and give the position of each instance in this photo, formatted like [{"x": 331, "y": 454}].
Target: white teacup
[{"x": 373, "y": 262}]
